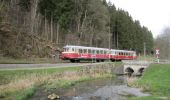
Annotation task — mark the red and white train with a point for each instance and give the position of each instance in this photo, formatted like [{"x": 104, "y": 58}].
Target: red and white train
[{"x": 77, "y": 53}]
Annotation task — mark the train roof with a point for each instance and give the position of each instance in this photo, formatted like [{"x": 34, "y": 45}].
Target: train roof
[
  {"x": 84, "y": 47},
  {"x": 121, "y": 50},
  {"x": 73, "y": 46}
]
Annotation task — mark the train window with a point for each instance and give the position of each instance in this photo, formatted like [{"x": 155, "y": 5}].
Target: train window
[
  {"x": 105, "y": 52},
  {"x": 89, "y": 51},
  {"x": 93, "y": 51},
  {"x": 97, "y": 51},
  {"x": 80, "y": 50},
  {"x": 72, "y": 49},
  {"x": 66, "y": 49},
  {"x": 101, "y": 51},
  {"x": 84, "y": 50}
]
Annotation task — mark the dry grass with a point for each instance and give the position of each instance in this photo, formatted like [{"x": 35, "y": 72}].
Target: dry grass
[
  {"x": 36, "y": 79},
  {"x": 131, "y": 80}
]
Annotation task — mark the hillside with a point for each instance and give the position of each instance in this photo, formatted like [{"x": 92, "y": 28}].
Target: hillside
[{"x": 34, "y": 28}]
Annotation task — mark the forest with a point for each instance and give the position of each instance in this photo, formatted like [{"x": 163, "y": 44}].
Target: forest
[
  {"x": 162, "y": 42},
  {"x": 32, "y": 28}
]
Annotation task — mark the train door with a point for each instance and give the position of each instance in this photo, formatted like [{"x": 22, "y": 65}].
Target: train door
[
  {"x": 113, "y": 53},
  {"x": 93, "y": 55},
  {"x": 134, "y": 55}
]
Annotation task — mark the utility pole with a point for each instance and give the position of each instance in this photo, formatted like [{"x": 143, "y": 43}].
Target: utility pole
[
  {"x": 117, "y": 41},
  {"x": 109, "y": 38},
  {"x": 109, "y": 33}
]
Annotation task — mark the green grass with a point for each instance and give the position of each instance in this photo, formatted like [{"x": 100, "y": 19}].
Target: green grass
[
  {"x": 16, "y": 84},
  {"x": 7, "y": 76},
  {"x": 156, "y": 81},
  {"x": 25, "y": 93},
  {"x": 147, "y": 57},
  {"x": 22, "y": 83}
]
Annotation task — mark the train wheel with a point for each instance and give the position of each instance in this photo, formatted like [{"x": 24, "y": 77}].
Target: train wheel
[
  {"x": 77, "y": 61},
  {"x": 113, "y": 60},
  {"x": 72, "y": 60},
  {"x": 98, "y": 60}
]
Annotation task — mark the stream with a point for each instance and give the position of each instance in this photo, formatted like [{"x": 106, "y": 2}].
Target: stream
[{"x": 99, "y": 89}]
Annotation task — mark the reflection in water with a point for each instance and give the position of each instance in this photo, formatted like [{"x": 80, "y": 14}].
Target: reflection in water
[{"x": 101, "y": 89}]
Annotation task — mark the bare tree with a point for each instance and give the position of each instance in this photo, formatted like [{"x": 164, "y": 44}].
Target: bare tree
[{"x": 163, "y": 42}]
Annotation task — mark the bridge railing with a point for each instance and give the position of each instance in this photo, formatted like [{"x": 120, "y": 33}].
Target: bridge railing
[{"x": 129, "y": 62}]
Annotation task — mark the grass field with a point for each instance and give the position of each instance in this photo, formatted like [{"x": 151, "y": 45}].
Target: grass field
[
  {"x": 147, "y": 57},
  {"x": 20, "y": 84},
  {"x": 7, "y": 76},
  {"x": 156, "y": 81}
]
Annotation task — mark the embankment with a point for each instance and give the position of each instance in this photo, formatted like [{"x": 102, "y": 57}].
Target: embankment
[
  {"x": 20, "y": 84},
  {"x": 156, "y": 81}
]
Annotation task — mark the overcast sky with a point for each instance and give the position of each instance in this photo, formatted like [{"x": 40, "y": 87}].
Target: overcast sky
[{"x": 154, "y": 14}]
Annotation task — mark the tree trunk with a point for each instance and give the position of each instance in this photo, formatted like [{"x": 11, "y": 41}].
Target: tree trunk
[
  {"x": 51, "y": 28},
  {"x": 58, "y": 27}
]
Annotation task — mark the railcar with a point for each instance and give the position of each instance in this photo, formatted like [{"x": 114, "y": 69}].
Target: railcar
[
  {"x": 118, "y": 55},
  {"x": 77, "y": 53}
]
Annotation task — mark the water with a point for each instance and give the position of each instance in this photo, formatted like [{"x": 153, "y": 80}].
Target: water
[{"x": 100, "y": 89}]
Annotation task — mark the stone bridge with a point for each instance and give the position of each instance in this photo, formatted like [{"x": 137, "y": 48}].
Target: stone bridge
[{"x": 132, "y": 67}]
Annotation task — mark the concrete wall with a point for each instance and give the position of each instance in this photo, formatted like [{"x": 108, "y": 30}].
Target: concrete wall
[{"x": 132, "y": 68}]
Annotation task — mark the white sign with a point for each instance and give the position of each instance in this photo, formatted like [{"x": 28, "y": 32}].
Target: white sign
[
  {"x": 157, "y": 55},
  {"x": 157, "y": 51}
]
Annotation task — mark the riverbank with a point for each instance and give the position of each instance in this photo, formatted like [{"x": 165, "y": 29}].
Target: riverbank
[
  {"x": 155, "y": 81},
  {"x": 21, "y": 84}
]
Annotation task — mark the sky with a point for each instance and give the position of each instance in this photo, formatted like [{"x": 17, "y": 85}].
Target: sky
[{"x": 154, "y": 14}]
